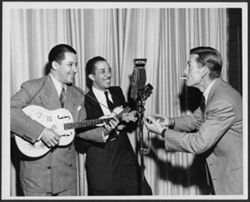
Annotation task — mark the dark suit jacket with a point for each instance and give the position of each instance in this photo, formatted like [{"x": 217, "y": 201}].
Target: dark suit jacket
[
  {"x": 55, "y": 171},
  {"x": 220, "y": 136},
  {"x": 112, "y": 167}
]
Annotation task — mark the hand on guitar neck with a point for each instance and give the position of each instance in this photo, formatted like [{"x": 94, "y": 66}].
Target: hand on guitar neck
[
  {"x": 122, "y": 114},
  {"x": 111, "y": 125},
  {"x": 118, "y": 119}
]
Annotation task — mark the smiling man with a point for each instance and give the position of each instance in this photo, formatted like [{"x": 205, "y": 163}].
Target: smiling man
[
  {"x": 111, "y": 164},
  {"x": 54, "y": 173},
  {"x": 214, "y": 129}
]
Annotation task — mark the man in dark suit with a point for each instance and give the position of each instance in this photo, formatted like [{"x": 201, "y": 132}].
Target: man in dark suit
[
  {"x": 54, "y": 173},
  {"x": 217, "y": 123},
  {"x": 111, "y": 164}
]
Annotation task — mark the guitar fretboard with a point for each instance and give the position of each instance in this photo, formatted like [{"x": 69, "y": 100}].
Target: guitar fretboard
[
  {"x": 92, "y": 122},
  {"x": 87, "y": 123}
]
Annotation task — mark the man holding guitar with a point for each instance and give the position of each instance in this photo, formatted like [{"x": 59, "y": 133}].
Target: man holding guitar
[
  {"x": 39, "y": 111},
  {"x": 111, "y": 164}
]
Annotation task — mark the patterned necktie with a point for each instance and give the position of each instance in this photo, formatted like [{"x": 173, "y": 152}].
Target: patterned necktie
[
  {"x": 62, "y": 97},
  {"x": 203, "y": 106},
  {"x": 111, "y": 106}
]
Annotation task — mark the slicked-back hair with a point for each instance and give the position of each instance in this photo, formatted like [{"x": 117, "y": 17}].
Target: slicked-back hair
[
  {"x": 57, "y": 53},
  {"x": 211, "y": 58},
  {"x": 90, "y": 68}
]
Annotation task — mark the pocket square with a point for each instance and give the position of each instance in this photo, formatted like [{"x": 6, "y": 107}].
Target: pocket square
[{"x": 79, "y": 108}]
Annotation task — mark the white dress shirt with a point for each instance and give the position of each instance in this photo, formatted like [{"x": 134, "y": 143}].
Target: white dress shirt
[{"x": 101, "y": 98}]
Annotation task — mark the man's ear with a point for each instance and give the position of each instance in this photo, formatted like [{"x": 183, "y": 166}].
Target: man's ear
[
  {"x": 91, "y": 77},
  {"x": 54, "y": 65},
  {"x": 205, "y": 71}
]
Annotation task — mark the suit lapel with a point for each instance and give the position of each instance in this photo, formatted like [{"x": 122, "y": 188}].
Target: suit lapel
[
  {"x": 49, "y": 95},
  {"x": 71, "y": 98},
  {"x": 114, "y": 97},
  {"x": 91, "y": 96},
  {"x": 117, "y": 96}
]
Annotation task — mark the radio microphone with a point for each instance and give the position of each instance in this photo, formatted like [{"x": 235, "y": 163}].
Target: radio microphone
[{"x": 138, "y": 78}]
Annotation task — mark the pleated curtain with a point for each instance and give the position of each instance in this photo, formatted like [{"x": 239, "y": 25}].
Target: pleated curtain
[{"x": 163, "y": 36}]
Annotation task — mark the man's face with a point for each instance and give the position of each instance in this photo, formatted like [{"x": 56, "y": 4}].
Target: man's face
[
  {"x": 193, "y": 72},
  {"x": 66, "y": 69},
  {"x": 102, "y": 76}
]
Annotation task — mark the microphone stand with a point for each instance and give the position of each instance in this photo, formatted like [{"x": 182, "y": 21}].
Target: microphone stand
[
  {"x": 140, "y": 110},
  {"x": 142, "y": 96},
  {"x": 139, "y": 94}
]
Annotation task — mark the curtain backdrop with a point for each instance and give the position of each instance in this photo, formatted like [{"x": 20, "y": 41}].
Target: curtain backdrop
[{"x": 162, "y": 35}]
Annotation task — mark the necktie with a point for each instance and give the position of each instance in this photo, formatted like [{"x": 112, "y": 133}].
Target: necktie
[
  {"x": 62, "y": 97},
  {"x": 203, "y": 106},
  {"x": 110, "y": 104}
]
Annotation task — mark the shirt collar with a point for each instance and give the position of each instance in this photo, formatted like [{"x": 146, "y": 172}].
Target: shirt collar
[
  {"x": 96, "y": 90},
  {"x": 100, "y": 92},
  {"x": 206, "y": 92}
]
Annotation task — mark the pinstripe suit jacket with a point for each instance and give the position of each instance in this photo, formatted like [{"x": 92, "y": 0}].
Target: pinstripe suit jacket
[
  {"x": 55, "y": 171},
  {"x": 220, "y": 136}
]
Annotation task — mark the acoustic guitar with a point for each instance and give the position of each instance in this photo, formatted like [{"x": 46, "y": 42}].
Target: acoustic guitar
[{"x": 61, "y": 121}]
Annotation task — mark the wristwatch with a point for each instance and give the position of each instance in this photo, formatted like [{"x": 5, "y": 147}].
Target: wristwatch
[{"x": 171, "y": 126}]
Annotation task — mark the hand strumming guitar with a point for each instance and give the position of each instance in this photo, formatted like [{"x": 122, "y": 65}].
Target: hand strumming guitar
[{"x": 50, "y": 138}]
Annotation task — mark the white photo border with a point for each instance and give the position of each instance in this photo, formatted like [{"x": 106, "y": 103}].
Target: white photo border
[{"x": 7, "y": 6}]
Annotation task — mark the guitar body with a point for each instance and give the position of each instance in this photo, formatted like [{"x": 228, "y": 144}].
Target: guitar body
[{"x": 55, "y": 120}]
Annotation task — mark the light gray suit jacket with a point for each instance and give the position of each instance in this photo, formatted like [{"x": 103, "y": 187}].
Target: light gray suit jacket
[
  {"x": 220, "y": 136},
  {"x": 55, "y": 171}
]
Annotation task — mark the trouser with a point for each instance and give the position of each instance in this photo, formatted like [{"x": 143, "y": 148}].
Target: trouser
[
  {"x": 71, "y": 192},
  {"x": 210, "y": 187}
]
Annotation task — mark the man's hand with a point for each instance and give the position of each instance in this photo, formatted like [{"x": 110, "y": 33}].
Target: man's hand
[
  {"x": 156, "y": 123},
  {"x": 111, "y": 125},
  {"x": 50, "y": 137},
  {"x": 163, "y": 120}
]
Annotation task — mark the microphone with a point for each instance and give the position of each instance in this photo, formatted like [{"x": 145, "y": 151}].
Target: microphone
[
  {"x": 138, "y": 77},
  {"x": 147, "y": 91}
]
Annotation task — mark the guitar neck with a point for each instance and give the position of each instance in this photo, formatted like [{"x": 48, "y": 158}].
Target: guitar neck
[
  {"x": 92, "y": 122},
  {"x": 86, "y": 123}
]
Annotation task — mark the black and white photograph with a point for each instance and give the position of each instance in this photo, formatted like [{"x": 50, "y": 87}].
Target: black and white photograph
[{"x": 124, "y": 100}]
